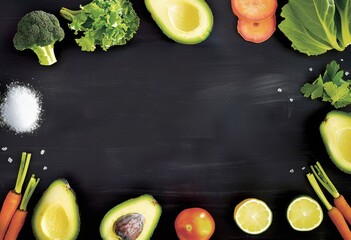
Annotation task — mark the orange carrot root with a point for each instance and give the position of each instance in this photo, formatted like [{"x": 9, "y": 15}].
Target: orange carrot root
[
  {"x": 257, "y": 32},
  {"x": 9, "y": 207},
  {"x": 16, "y": 225},
  {"x": 344, "y": 207},
  {"x": 340, "y": 223},
  {"x": 254, "y": 10}
]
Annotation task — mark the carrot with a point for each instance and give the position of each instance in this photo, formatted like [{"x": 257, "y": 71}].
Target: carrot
[
  {"x": 13, "y": 198},
  {"x": 340, "y": 223},
  {"x": 9, "y": 207},
  {"x": 16, "y": 225},
  {"x": 20, "y": 215},
  {"x": 257, "y": 32},
  {"x": 254, "y": 10},
  {"x": 333, "y": 212},
  {"x": 341, "y": 204},
  {"x": 339, "y": 200}
]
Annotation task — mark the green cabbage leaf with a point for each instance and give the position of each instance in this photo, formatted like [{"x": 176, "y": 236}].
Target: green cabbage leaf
[{"x": 316, "y": 26}]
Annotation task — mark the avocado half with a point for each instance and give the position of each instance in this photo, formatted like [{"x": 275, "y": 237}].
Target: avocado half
[
  {"x": 56, "y": 215},
  {"x": 134, "y": 219},
  {"x": 336, "y": 134},
  {"x": 184, "y": 21}
]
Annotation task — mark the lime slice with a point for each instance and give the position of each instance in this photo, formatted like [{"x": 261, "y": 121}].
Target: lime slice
[
  {"x": 304, "y": 213},
  {"x": 253, "y": 216}
]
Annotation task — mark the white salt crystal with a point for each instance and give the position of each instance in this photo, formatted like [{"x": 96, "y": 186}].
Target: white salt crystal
[
  {"x": 279, "y": 90},
  {"x": 342, "y": 59},
  {"x": 4, "y": 148},
  {"x": 42, "y": 152},
  {"x": 303, "y": 168},
  {"x": 311, "y": 69},
  {"x": 45, "y": 168},
  {"x": 291, "y": 99},
  {"x": 10, "y": 160},
  {"x": 21, "y": 109},
  {"x": 292, "y": 170},
  {"x": 347, "y": 73}
]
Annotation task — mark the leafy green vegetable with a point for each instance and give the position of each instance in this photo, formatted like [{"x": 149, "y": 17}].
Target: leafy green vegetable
[
  {"x": 316, "y": 26},
  {"x": 105, "y": 23},
  {"x": 343, "y": 20},
  {"x": 331, "y": 87}
]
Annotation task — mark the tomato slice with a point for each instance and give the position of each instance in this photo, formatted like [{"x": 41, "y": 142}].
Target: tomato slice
[{"x": 194, "y": 224}]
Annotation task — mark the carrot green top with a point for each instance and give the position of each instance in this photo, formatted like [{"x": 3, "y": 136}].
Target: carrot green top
[
  {"x": 318, "y": 191},
  {"x": 21, "y": 176},
  {"x": 32, "y": 184},
  {"x": 324, "y": 180}
]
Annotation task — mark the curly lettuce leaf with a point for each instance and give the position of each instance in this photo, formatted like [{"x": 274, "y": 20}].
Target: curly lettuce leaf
[
  {"x": 104, "y": 23},
  {"x": 315, "y": 26}
]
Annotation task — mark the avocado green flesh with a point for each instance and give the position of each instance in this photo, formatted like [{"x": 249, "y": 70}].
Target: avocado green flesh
[
  {"x": 145, "y": 205},
  {"x": 336, "y": 134},
  {"x": 55, "y": 222},
  {"x": 184, "y": 16},
  {"x": 56, "y": 215},
  {"x": 184, "y": 21}
]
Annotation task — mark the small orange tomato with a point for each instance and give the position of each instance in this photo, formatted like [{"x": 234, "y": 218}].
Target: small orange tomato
[{"x": 194, "y": 224}]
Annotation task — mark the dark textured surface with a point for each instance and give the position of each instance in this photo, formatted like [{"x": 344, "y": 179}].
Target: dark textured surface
[{"x": 200, "y": 125}]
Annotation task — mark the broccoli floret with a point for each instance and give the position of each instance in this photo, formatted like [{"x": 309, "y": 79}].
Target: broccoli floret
[{"x": 39, "y": 31}]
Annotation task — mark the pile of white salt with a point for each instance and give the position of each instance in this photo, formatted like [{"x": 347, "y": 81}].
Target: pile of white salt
[{"x": 20, "y": 109}]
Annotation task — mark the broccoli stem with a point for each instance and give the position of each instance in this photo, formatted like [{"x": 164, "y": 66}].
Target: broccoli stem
[
  {"x": 69, "y": 14},
  {"x": 45, "y": 54}
]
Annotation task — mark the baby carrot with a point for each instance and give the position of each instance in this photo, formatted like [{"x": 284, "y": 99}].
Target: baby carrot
[
  {"x": 333, "y": 213},
  {"x": 13, "y": 198},
  {"x": 16, "y": 224},
  {"x": 20, "y": 215},
  {"x": 340, "y": 223},
  {"x": 344, "y": 207},
  {"x": 339, "y": 200},
  {"x": 9, "y": 207}
]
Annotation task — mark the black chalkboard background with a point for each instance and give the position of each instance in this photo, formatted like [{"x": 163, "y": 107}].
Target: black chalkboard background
[{"x": 194, "y": 126}]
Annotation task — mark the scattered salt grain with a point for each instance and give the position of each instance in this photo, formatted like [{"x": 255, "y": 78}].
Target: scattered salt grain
[
  {"x": 291, "y": 99},
  {"x": 42, "y": 152},
  {"x": 292, "y": 170},
  {"x": 20, "y": 109},
  {"x": 342, "y": 59},
  {"x": 4, "y": 148},
  {"x": 347, "y": 73},
  {"x": 279, "y": 90},
  {"x": 10, "y": 160},
  {"x": 45, "y": 168},
  {"x": 311, "y": 69},
  {"x": 303, "y": 168}
]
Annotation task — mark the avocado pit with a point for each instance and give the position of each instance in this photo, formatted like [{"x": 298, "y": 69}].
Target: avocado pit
[{"x": 129, "y": 226}]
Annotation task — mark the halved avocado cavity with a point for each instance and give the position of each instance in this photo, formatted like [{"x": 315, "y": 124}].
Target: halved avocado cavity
[
  {"x": 336, "y": 134},
  {"x": 184, "y": 21},
  {"x": 134, "y": 219},
  {"x": 56, "y": 216}
]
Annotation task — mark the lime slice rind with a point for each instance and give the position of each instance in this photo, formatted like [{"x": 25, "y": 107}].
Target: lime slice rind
[
  {"x": 253, "y": 216},
  {"x": 304, "y": 214}
]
